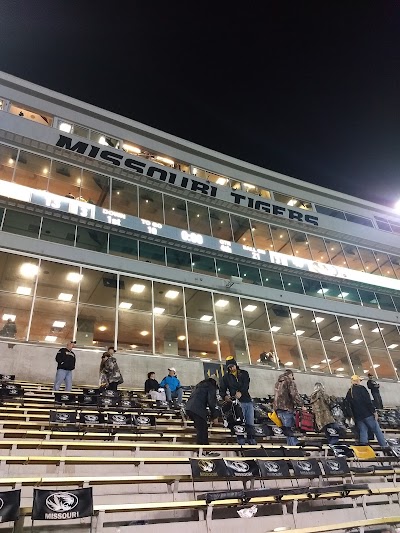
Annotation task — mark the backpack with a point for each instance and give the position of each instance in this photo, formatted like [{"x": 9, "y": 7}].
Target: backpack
[{"x": 304, "y": 421}]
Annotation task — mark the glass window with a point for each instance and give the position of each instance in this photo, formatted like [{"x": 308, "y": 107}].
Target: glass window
[
  {"x": 199, "y": 220},
  {"x": 318, "y": 249},
  {"x": 32, "y": 171},
  {"x": 95, "y": 189},
  {"x": 353, "y": 257},
  {"x": 226, "y": 269},
  {"x": 230, "y": 328},
  {"x": 14, "y": 314},
  {"x": 385, "y": 265},
  {"x": 329, "y": 211},
  {"x": 292, "y": 202},
  {"x": 300, "y": 244},
  {"x": 385, "y": 302},
  {"x": 359, "y": 220},
  {"x": 392, "y": 340},
  {"x": 382, "y": 364},
  {"x": 312, "y": 287},
  {"x": 81, "y": 131},
  {"x": 349, "y": 294},
  {"x": 179, "y": 259},
  {"x": 396, "y": 264},
  {"x": 384, "y": 226},
  {"x": 306, "y": 330},
  {"x": 281, "y": 240},
  {"x": 220, "y": 225},
  {"x": 30, "y": 114},
  {"x": 336, "y": 254},
  {"x": 200, "y": 324},
  {"x": 150, "y": 205},
  {"x": 65, "y": 180},
  {"x": 8, "y": 157},
  {"x": 123, "y": 246},
  {"x": 292, "y": 283},
  {"x": 353, "y": 337},
  {"x": 262, "y": 235},
  {"x": 259, "y": 336},
  {"x": 151, "y": 253},
  {"x": 284, "y": 336},
  {"x": 175, "y": 212},
  {"x": 169, "y": 322},
  {"x": 369, "y": 260},
  {"x": 124, "y": 197},
  {"x": 271, "y": 278},
  {"x": 241, "y": 230},
  {"x": 249, "y": 274},
  {"x": 368, "y": 298},
  {"x": 104, "y": 139},
  {"x": 203, "y": 264},
  {"x": 56, "y": 231},
  {"x": 396, "y": 300},
  {"x": 335, "y": 349},
  {"x": 91, "y": 239},
  {"x": 331, "y": 291},
  {"x": 21, "y": 223},
  {"x": 134, "y": 315}
]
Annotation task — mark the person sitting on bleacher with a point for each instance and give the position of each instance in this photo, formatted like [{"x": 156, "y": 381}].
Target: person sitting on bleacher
[
  {"x": 364, "y": 413},
  {"x": 286, "y": 399},
  {"x": 152, "y": 388},
  {"x": 324, "y": 420},
  {"x": 172, "y": 386},
  {"x": 110, "y": 374}
]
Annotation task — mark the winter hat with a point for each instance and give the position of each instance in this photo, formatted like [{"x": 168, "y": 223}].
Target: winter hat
[{"x": 230, "y": 361}]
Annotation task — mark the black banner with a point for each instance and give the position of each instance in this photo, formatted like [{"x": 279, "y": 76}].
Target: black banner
[
  {"x": 208, "y": 468},
  {"x": 65, "y": 397},
  {"x": 9, "y": 505},
  {"x": 119, "y": 419},
  {"x": 247, "y": 468},
  {"x": 106, "y": 402},
  {"x": 63, "y": 417},
  {"x": 144, "y": 420},
  {"x": 91, "y": 419},
  {"x": 91, "y": 392},
  {"x": 335, "y": 466},
  {"x": 88, "y": 399},
  {"x": 341, "y": 450},
  {"x": 309, "y": 468},
  {"x": 62, "y": 504},
  {"x": 273, "y": 469},
  {"x": 262, "y": 430},
  {"x": 7, "y": 377},
  {"x": 277, "y": 432}
]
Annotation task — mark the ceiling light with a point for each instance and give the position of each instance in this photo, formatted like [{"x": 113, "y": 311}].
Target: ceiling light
[
  {"x": 65, "y": 297},
  {"x": 289, "y": 363},
  {"x": 74, "y": 277},
  {"x": 327, "y": 360},
  {"x": 343, "y": 294},
  {"x": 28, "y": 270},
  {"x": 194, "y": 170},
  {"x": 181, "y": 338},
  {"x": 11, "y": 161},
  {"x": 131, "y": 149},
  {"x": 315, "y": 366},
  {"x": 248, "y": 186},
  {"x": 299, "y": 332},
  {"x": 125, "y": 305},
  {"x": 376, "y": 330},
  {"x": 133, "y": 346},
  {"x": 206, "y": 318},
  {"x": 295, "y": 315},
  {"x": 138, "y": 288},
  {"x": 233, "y": 322},
  {"x": 144, "y": 333},
  {"x": 24, "y": 290},
  {"x": 221, "y": 303},
  {"x": 292, "y": 202},
  {"x": 340, "y": 369},
  {"x": 391, "y": 347},
  {"x": 158, "y": 310},
  {"x": 216, "y": 342},
  {"x": 354, "y": 326},
  {"x": 13, "y": 317},
  {"x": 50, "y": 338},
  {"x": 165, "y": 160},
  {"x": 275, "y": 328},
  {"x": 356, "y": 341},
  {"x": 64, "y": 126},
  {"x": 203, "y": 353},
  {"x": 376, "y": 366},
  {"x": 102, "y": 328},
  {"x": 250, "y": 308},
  {"x": 335, "y": 338},
  {"x": 103, "y": 141},
  {"x": 221, "y": 181},
  {"x": 318, "y": 319},
  {"x": 45, "y": 170},
  {"x": 58, "y": 324},
  {"x": 322, "y": 291},
  {"x": 171, "y": 294}
]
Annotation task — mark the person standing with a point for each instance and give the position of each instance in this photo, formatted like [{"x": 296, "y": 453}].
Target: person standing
[
  {"x": 374, "y": 387},
  {"x": 324, "y": 420},
  {"x": 172, "y": 386},
  {"x": 286, "y": 399},
  {"x": 204, "y": 395},
  {"x": 237, "y": 381},
  {"x": 110, "y": 374},
  {"x": 364, "y": 413},
  {"x": 9, "y": 329},
  {"x": 65, "y": 365}
]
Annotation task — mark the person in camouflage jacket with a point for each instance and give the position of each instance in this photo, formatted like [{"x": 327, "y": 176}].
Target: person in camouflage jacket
[{"x": 286, "y": 399}]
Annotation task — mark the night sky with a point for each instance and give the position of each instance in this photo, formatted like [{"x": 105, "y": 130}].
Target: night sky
[{"x": 309, "y": 89}]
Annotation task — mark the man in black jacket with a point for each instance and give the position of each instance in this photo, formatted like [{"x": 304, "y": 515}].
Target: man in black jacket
[
  {"x": 237, "y": 381},
  {"x": 374, "y": 386},
  {"x": 65, "y": 365},
  {"x": 204, "y": 395},
  {"x": 364, "y": 413}
]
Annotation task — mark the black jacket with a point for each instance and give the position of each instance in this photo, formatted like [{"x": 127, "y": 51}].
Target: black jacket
[
  {"x": 360, "y": 402},
  {"x": 373, "y": 386},
  {"x": 204, "y": 395},
  {"x": 151, "y": 384},
  {"x": 240, "y": 383},
  {"x": 65, "y": 359}
]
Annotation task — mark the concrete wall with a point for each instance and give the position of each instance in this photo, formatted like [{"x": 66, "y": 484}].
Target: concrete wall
[{"x": 37, "y": 364}]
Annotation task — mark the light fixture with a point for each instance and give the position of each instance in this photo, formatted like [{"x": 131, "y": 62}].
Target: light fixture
[
  {"x": 249, "y": 186},
  {"x": 50, "y": 338},
  {"x": 23, "y": 290},
  {"x": 221, "y": 303},
  {"x": 74, "y": 277},
  {"x": 28, "y": 270},
  {"x": 315, "y": 366},
  {"x": 194, "y": 171},
  {"x": 327, "y": 360},
  {"x": 376, "y": 330},
  {"x": 295, "y": 315},
  {"x": 11, "y": 161},
  {"x": 299, "y": 332},
  {"x": 125, "y": 305},
  {"x": 171, "y": 294},
  {"x": 165, "y": 160},
  {"x": 233, "y": 322},
  {"x": 289, "y": 363},
  {"x": 250, "y": 308},
  {"x": 102, "y": 328},
  {"x": 45, "y": 170},
  {"x": 391, "y": 347},
  {"x": 206, "y": 318},
  {"x": 215, "y": 342},
  {"x": 203, "y": 353},
  {"x": 103, "y": 141},
  {"x": 181, "y": 338},
  {"x": 138, "y": 288},
  {"x": 13, "y": 317},
  {"x": 318, "y": 319},
  {"x": 335, "y": 338},
  {"x": 343, "y": 294},
  {"x": 133, "y": 346},
  {"x": 65, "y": 297},
  {"x": 131, "y": 149},
  {"x": 58, "y": 324},
  {"x": 356, "y": 341},
  {"x": 354, "y": 326},
  {"x": 322, "y": 291},
  {"x": 158, "y": 310},
  {"x": 292, "y": 202},
  {"x": 64, "y": 126},
  {"x": 340, "y": 369},
  {"x": 376, "y": 366},
  {"x": 144, "y": 333},
  {"x": 275, "y": 328},
  {"x": 221, "y": 181}
]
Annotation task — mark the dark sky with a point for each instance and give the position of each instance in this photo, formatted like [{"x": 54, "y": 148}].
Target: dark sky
[{"x": 307, "y": 88}]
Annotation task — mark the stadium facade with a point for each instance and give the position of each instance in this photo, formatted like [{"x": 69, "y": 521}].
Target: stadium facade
[{"x": 115, "y": 233}]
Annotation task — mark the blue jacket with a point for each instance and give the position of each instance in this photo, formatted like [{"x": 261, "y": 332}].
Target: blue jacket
[{"x": 172, "y": 382}]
